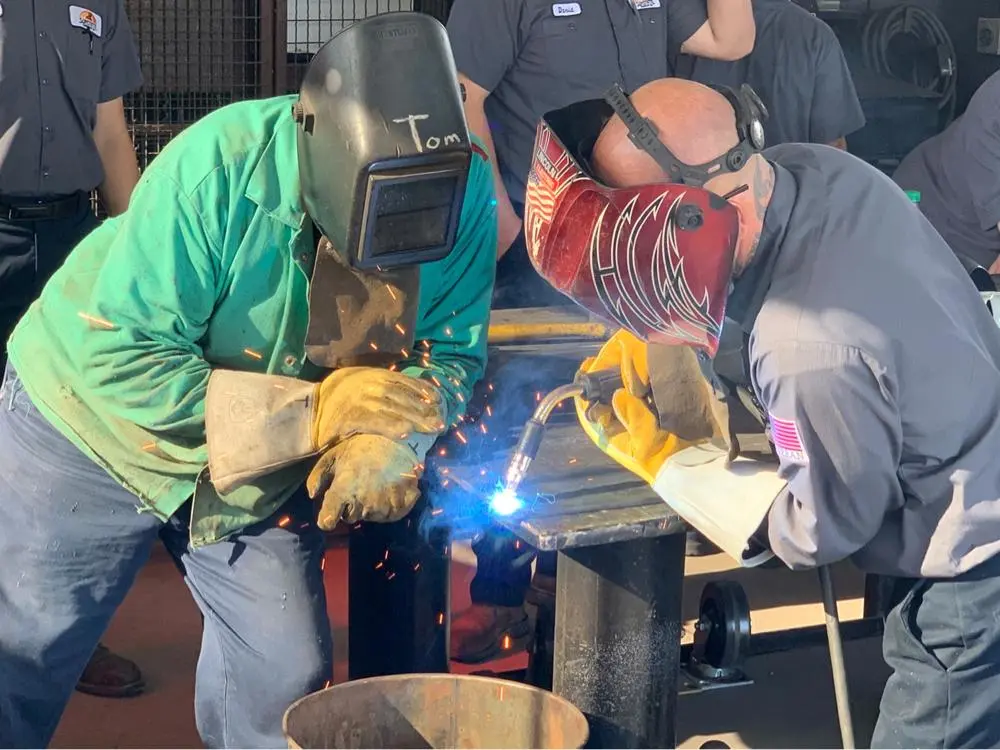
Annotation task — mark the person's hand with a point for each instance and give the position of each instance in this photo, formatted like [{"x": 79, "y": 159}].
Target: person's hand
[
  {"x": 627, "y": 430},
  {"x": 628, "y": 354},
  {"x": 365, "y": 478},
  {"x": 373, "y": 401}
]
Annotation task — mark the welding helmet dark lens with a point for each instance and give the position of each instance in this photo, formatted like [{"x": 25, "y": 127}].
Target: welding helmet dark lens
[{"x": 411, "y": 216}]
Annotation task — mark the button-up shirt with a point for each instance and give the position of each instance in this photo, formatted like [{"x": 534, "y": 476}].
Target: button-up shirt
[
  {"x": 58, "y": 61},
  {"x": 209, "y": 268}
]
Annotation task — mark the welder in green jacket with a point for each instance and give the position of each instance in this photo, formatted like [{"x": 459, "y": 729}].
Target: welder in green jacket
[{"x": 295, "y": 277}]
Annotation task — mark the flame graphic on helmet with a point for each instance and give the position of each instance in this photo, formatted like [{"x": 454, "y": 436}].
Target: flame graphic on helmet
[{"x": 667, "y": 305}]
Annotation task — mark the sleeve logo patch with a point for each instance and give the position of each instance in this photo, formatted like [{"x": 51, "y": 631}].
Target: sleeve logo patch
[
  {"x": 566, "y": 9},
  {"x": 787, "y": 440},
  {"x": 86, "y": 19}
]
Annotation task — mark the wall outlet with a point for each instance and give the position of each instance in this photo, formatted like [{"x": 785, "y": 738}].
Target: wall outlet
[{"x": 988, "y": 36}]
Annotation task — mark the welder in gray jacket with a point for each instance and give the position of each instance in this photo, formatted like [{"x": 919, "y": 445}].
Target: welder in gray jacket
[{"x": 876, "y": 371}]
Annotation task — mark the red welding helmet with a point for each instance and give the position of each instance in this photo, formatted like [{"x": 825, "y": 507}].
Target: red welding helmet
[{"x": 655, "y": 259}]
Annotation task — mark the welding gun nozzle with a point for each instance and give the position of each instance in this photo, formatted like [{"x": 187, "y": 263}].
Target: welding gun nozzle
[{"x": 525, "y": 452}]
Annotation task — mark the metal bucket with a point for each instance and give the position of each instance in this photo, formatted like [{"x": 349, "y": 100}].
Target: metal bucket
[{"x": 434, "y": 711}]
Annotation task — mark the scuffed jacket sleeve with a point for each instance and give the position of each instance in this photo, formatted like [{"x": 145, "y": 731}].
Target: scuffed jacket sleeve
[
  {"x": 838, "y": 435},
  {"x": 149, "y": 308},
  {"x": 455, "y": 318}
]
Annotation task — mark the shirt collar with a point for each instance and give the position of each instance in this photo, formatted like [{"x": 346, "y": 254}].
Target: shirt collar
[
  {"x": 751, "y": 287},
  {"x": 274, "y": 182}
]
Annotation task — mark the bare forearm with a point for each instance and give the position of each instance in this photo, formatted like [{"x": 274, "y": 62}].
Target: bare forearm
[
  {"x": 732, "y": 26},
  {"x": 840, "y": 143},
  {"x": 114, "y": 145},
  {"x": 121, "y": 173},
  {"x": 508, "y": 222}
]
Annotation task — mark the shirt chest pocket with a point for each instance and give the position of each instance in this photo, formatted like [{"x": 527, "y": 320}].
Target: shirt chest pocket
[
  {"x": 567, "y": 48},
  {"x": 80, "y": 52}
]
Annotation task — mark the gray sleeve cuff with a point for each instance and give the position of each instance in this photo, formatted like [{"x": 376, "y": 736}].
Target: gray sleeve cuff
[{"x": 256, "y": 424}]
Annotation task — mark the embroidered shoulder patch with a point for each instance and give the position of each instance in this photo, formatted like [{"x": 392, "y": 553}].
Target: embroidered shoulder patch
[{"x": 787, "y": 440}]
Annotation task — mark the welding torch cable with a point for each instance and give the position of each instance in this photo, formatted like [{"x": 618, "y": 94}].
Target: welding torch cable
[{"x": 837, "y": 664}]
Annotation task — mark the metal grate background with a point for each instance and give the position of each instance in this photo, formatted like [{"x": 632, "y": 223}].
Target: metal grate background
[{"x": 198, "y": 55}]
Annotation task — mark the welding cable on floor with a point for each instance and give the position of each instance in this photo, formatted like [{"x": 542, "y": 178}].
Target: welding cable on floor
[
  {"x": 886, "y": 25},
  {"x": 837, "y": 664}
]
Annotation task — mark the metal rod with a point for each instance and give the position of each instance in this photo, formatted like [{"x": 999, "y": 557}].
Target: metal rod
[{"x": 837, "y": 665}]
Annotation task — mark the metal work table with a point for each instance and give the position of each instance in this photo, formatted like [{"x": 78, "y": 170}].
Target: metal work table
[
  {"x": 618, "y": 583},
  {"x": 620, "y": 550}
]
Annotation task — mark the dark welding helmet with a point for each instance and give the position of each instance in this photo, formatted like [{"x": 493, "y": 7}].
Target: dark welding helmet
[
  {"x": 383, "y": 146},
  {"x": 751, "y": 114}
]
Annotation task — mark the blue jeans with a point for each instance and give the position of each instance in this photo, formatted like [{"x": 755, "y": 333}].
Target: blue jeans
[
  {"x": 73, "y": 541},
  {"x": 942, "y": 642}
]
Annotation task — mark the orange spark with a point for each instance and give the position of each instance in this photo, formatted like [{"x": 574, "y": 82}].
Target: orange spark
[
  {"x": 101, "y": 322},
  {"x": 408, "y": 476},
  {"x": 327, "y": 684},
  {"x": 392, "y": 368},
  {"x": 402, "y": 331},
  {"x": 461, "y": 437},
  {"x": 435, "y": 381},
  {"x": 379, "y": 564},
  {"x": 446, "y": 482},
  {"x": 447, "y": 331},
  {"x": 442, "y": 452},
  {"x": 391, "y": 292},
  {"x": 444, "y": 471},
  {"x": 404, "y": 352},
  {"x": 284, "y": 521},
  {"x": 386, "y": 555},
  {"x": 322, "y": 564},
  {"x": 437, "y": 511},
  {"x": 506, "y": 642},
  {"x": 149, "y": 446},
  {"x": 373, "y": 345},
  {"x": 390, "y": 576},
  {"x": 482, "y": 427},
  {"x": 489, "y": 386},
  {"x": 489, "y": 410},
  {"x": 416, "y": 567},
  {"x": 440, "y": 618},
  {"x": 252, "y": 354},
  {"x": 460, "y": 397},
  {"x": 572, "y": 460}
]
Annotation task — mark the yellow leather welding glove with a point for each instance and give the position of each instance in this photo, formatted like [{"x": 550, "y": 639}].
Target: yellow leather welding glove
[
  {"x": 368, "y": 478},
  {"x": 628, "y": 430},
  {"x": 627, "y": 353},
  {"x": 374, "y": 401}
]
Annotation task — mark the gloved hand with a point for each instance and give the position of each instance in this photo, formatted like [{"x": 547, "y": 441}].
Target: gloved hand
[
  {"x": 367, "y": 477},
  {"x": 373, "y": 401},
  {"x": 628, "y": 430}
]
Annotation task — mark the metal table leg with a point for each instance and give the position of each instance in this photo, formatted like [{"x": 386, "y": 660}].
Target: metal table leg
[
  {"x": 398, "y": 600},
  {"x": 618, "y": 633}
]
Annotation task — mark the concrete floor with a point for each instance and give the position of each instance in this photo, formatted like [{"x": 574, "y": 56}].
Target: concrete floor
[{"x": 790, "y": 705}]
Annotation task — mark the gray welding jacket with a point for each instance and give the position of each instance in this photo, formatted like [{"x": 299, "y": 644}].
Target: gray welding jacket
[{"x": 879, "y": 367}]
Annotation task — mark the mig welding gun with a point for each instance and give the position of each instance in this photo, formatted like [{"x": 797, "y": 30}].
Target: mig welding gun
[{"x": 595, "y": 387}]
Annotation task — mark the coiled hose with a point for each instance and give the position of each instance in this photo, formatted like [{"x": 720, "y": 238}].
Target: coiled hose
[{"x": 882, "y": 27}]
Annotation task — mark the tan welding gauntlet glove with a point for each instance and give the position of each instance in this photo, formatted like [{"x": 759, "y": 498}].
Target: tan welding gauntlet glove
[
  {"x": 368, "y": 478},
  {"x": 372, "y": 401},
  {"x": 256, "y": 424}
]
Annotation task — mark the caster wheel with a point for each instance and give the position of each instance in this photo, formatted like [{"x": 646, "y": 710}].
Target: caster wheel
[{"x": 722, "y": 634}]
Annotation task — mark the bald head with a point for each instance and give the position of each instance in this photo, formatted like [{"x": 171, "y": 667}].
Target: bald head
[{"x": 696, "y": 123}]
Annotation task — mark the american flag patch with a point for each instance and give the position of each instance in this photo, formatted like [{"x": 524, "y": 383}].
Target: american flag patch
[{"x": 787, "y": 441}]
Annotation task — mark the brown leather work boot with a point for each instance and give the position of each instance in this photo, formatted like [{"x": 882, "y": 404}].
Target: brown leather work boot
[
  {"x": 484, "y": 632},
  {"x": 109, "y": 675}
]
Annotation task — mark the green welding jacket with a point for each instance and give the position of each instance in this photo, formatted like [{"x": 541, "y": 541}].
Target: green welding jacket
[{"x": 209, "y": 268}]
